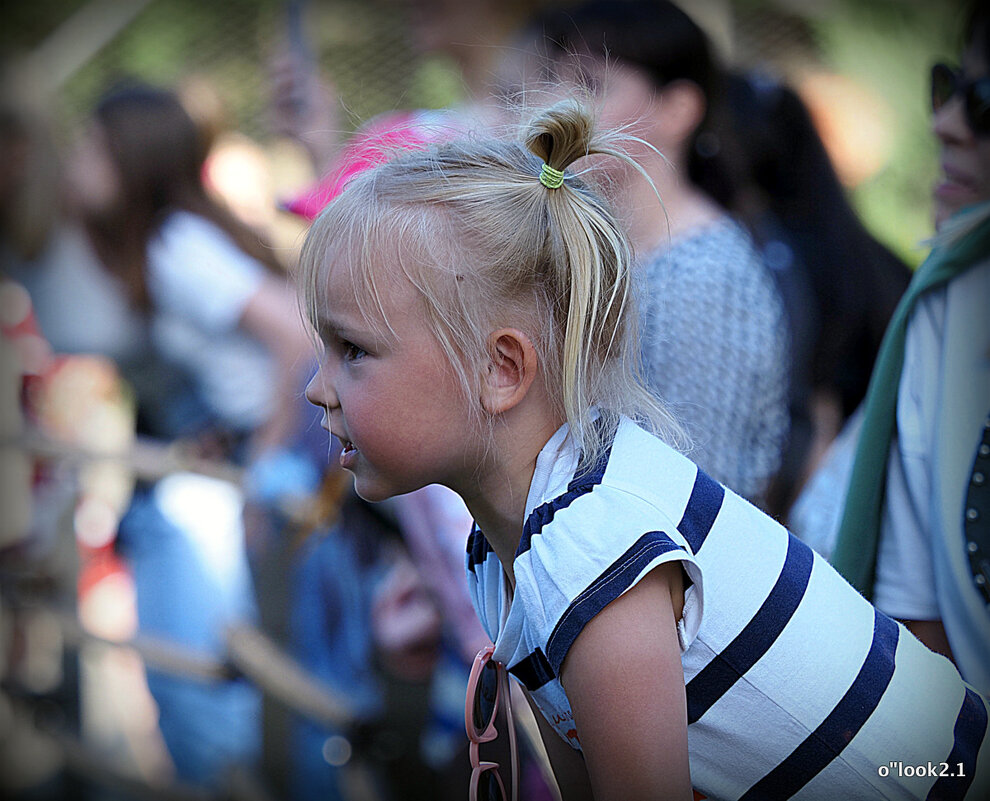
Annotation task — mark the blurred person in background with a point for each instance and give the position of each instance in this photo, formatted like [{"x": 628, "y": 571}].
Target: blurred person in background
[
  {"x": 67, "y": 325},
  {"x": 229, "y": 357},
  {"x": 915, "y": 531},
  {"x": 218, "y": 304},
  {"x": 840, "y": 284},
  {"x": 715, "y": 337},
  {"x": 363, "y": 621},
  {"x": 79, "y": 307}
]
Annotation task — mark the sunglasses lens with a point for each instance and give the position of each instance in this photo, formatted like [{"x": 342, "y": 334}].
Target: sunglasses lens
[
  {"x": 490, "y": 787},
  {"x": 943, "y": 85},
  {"x": 978, "y": 106},
  {"x": 484, "y": 696}
]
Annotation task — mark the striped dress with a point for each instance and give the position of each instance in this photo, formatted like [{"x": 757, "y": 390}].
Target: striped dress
[{"x": 796, "y": 686}]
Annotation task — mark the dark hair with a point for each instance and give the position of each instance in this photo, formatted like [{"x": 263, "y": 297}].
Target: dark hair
[
  {"x": 654, "y": 35},
  {"x": 845, "y": 283},
  {"x": 977, "y": 27},
  {"x": 159, "y": 154},
  {"x": 663, "y": 41},
  {"x": 857, "y": 281}
]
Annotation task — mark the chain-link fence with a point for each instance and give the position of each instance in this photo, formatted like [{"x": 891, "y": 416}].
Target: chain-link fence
[{"x": 882, "y": 46}]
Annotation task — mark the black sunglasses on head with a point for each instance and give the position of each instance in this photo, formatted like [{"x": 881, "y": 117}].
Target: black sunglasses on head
[{"x": 947, "y": 82}]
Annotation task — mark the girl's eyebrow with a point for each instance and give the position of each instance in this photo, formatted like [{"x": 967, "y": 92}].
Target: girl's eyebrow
[{"x": 328, "y": 325}]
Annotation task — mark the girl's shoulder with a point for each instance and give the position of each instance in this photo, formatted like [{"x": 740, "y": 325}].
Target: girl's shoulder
[
  {"x": 637, "y": 484},
  {"x": 597, "y": 537},
  {"x": 640, "y": 463}
]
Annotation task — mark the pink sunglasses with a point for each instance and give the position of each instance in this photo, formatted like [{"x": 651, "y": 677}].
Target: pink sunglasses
[{"x": 488, "y": 684}]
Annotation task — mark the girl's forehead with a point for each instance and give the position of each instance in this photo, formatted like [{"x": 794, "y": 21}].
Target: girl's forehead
[
  {"x": 367, "y": 263},
  {"x": 367, "y": 282}
]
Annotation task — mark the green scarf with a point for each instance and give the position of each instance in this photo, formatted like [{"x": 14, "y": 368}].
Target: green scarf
[{"x": 855, "y": 552}]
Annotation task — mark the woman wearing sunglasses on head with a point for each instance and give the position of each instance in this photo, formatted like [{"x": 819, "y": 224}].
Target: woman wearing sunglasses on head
[{"x": 915, "y": 533}]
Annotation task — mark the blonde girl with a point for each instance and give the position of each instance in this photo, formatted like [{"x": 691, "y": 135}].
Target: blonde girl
[{"x": 473, "y": 306}]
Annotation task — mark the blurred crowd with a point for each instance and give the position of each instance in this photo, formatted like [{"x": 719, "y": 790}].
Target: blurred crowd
[{"x": 154, "y": 359}]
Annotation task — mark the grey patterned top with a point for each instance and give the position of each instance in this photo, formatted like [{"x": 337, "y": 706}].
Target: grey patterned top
[{"x": 715, "y": 347}]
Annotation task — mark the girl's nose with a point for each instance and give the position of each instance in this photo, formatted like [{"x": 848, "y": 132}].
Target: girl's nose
[
  {"x": 949, "y": 122},
  {"x": 319, "y": 390}
]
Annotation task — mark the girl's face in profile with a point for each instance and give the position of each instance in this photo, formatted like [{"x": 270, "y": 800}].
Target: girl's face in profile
[
  {"x": 391, "y": 398},
  {"x": 964, "y": 155},
  {"x": 624, "y": 93},
  {"x": 93, "y": 179}
]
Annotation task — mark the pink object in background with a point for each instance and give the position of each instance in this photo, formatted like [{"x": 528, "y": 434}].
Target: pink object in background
[{"x": 373, "y": 145}]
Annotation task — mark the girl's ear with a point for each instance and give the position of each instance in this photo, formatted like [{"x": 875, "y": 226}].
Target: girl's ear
[
  {"x": 681, "y": 109},
  {"x": 511, "y": 369}
]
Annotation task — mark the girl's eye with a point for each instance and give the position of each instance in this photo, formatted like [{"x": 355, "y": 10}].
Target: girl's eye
[{"x": 352, "y": 352}]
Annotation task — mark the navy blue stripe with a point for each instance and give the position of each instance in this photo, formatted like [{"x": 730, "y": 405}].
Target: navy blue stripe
[
  {"x": 971, "y": 728},
  {"x": 583, "y": 483},
  {"x": 477, "y": 548},
  {"x": 602, "y": 591},
  {"x": 755, "y": 639},
  {"x": 847, "y": 717},
  {"x": 534, "y": 671},
  {"x": 701, "y": 511}
]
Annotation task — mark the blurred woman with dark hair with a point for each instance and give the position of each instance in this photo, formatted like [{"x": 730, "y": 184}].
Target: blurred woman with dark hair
[
  {"x": 218, "y": 302},
  {"x": 840, "y": 283},
  {"x": 714, "y": 336}
]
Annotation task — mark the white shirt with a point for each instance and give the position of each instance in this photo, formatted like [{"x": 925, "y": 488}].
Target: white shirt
[
  {"x": 942, "y": 403},
  {"x": 200, "y": 282},
  {"x": 795, "y": 685}
]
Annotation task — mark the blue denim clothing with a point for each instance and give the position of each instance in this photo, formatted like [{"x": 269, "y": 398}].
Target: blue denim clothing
[
  {"x": 188, "y": 594},
  {"x": 330, "y": 635}
]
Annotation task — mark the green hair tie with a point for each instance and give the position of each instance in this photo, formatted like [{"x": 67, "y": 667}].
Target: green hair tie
[{"x": 551, "y": 178}]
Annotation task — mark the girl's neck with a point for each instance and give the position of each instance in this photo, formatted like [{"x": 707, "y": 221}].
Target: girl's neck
[{"x": 497, "y": 501}]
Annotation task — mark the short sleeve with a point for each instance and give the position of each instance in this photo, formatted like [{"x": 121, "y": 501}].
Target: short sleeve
[
  {"x": 588, "y": 554},
  {"x": 198, "y": 273}
]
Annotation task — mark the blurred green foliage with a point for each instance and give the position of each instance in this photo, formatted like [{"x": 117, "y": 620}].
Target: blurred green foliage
[
  {"x": 889, "y": 47},
  {"x": 885, "y": 45}
]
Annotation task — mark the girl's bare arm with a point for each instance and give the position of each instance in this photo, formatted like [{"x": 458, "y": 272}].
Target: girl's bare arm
[
  {"x": 568, "y": 765},
  {"x": 272, "y": 317},
  {"x": 624, "y": 679}
]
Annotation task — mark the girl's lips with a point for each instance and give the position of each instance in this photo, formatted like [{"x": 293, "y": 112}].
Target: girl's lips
[
  {"x": 348, "y": 454},
  {"x": 956, "y": 176},
  {"x": 953, "y": 190}
]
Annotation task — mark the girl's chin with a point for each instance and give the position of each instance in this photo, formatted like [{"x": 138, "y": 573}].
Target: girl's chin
[
  {"x": 950, "y": 197},
  {"x": 371, "y": 491}
]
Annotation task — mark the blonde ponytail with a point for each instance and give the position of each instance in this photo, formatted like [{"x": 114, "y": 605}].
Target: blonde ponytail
[{"x": 598, "y": 360}]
